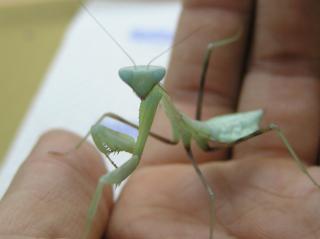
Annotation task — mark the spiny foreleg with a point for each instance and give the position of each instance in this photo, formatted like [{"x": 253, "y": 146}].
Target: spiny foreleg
[{"x": 120, "y": 119}]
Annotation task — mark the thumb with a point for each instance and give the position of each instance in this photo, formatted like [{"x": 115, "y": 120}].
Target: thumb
[{"x": 50, "y": 195}]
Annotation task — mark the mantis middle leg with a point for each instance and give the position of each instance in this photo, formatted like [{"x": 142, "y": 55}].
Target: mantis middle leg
[
  {"x": 211, "y": 46},
  {"x": 207, "y": 187}
]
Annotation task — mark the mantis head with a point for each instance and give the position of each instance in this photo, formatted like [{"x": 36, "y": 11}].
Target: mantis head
[{"x": 142, "y": 79}]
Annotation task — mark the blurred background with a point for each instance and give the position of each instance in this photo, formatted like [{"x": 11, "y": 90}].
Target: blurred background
[
  {"x": 30, "y": 33},
  {"x": 58, "y": 69}
]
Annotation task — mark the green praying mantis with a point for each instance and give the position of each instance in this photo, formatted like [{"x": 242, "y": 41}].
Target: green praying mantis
[{"x": 226, "y": 130}]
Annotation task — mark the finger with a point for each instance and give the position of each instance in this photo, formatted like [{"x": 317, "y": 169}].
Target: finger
[
  {"x": 50, "y": 195},
  {"x": 283, "y": 77},
  {"x": 220, "y": 19},
  {"x": 166, "y": 200}
]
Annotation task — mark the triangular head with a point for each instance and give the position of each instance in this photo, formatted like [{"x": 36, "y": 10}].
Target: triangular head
[{"x": 142, "y": 78}]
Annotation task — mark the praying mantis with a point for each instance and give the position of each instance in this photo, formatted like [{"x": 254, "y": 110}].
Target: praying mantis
[{"x": 226, "y": 130}]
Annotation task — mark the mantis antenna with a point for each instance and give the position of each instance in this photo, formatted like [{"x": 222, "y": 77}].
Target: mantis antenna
[
  {"x": 107, "y": 32},
  {"x": 123, "y": 50},
  {"x": 175, "y": 44}
]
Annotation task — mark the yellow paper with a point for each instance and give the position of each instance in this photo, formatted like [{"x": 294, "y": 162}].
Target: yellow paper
[{"x": 30, "y": 32}]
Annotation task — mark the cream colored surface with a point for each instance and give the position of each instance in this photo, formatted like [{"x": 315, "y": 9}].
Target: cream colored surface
[{"x": 30, "y": 33}]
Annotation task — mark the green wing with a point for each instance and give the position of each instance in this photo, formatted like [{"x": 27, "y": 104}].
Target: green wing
[{"x": 231, "y": 127}]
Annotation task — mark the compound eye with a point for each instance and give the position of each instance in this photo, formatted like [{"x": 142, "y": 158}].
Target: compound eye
[
  {"x": 158, "y": 74},
  {"x": 126, "y": 75}
]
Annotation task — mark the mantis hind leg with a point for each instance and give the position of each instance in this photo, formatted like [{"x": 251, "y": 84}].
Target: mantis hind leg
[
  {"x": 208, "y": 189},
  {"x": 283, "y": 138},
  {"x": 211, "y": 46},
  {"x": 271, "y": 127}
]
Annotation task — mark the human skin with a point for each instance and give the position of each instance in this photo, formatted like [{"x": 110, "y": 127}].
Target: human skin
[{"x": 260, "y": 191}]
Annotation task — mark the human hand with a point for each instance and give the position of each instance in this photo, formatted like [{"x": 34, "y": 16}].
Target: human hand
[
  {"x": 260, "y": 193},
  {"x": 49, "y": 196}
]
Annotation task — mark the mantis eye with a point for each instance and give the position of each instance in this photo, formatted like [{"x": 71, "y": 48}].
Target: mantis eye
[
  {"x": 158, "y": 74},
  {"x": 142, "y": 79},
  {"x": 126, "y": 74}
]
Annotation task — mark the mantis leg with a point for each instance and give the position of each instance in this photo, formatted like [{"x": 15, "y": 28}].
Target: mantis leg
[
  {"x": 122, "y": 120},
  {"x": 208, "y": 189},
  {"x": 154, "y": 135},
  {"x": 211, "y": 46},
  {"x": 283, "y": 138},
  {"x": 93, "y": 207},
  {"x": 107, "y": 138},
  {"x": 114, "y": 177},
  {"x": 271, "y": 127},
  {"x": 148, "y": 108}
]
